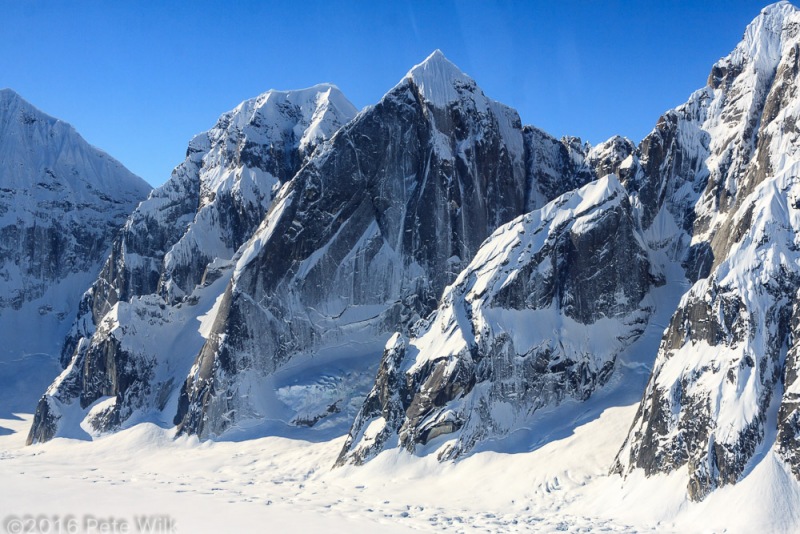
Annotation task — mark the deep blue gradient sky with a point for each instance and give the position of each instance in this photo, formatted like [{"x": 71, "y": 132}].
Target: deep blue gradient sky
[{"x": 139, "y": 79}]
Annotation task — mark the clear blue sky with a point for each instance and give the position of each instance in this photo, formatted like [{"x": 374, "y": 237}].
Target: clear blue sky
[{"x": 139, "y": 78}]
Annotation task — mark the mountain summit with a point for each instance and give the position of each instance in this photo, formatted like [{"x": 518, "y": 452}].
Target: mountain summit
[
  {"x": 135, "y": 334},
  {"x": 438, "y": 79}
]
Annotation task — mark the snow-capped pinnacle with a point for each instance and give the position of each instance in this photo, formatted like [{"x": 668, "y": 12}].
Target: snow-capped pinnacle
[
  {"x": 37, "y": 148},
  {"x": 764, "y": 37},
  {"x": 8, "y": 94},
  {"x": 778, "y": 9},
  {"x": 437, "y": 79},
  {"x": 11, "y": 103},
  {"x": 313, "y": 94},
  {"x": 314, "y": 113}
]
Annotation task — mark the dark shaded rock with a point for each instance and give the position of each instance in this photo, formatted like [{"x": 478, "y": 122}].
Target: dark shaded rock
[
  {"x": 45, "y": 423},
  {"x": 578, "y": 262},
  {"x": 788, "y": 439},
  {"x": 383, "y": 218}
]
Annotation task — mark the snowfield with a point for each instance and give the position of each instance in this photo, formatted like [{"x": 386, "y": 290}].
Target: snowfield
[{"x": 281, "y": 484}]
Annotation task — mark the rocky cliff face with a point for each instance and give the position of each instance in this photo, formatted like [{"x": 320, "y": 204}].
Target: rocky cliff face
[
  {"x": 61, "y": 203},
  {"x": 365, "y": 238},
  {"x": 172, "y": 249},
  {"x": 717, "y": 383},
  {"x": 788, "y": 439},
  {"x": 540, "y": 314}
]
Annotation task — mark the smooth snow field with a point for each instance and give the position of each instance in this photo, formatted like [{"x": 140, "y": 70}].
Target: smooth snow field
[{"x": 283, "y": 485}]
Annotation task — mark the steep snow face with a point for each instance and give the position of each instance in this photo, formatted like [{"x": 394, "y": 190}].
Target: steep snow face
[
  {"x": 365, "y": 238},
  {"x": 61, "y": 203},
  {"x": 540, "y": 314},
  {"x": 439, "y": 82},
  {"x": 696, "y": 167},
  {"x": 178, "y": 243},
  {"x": 715, "y": 391}
]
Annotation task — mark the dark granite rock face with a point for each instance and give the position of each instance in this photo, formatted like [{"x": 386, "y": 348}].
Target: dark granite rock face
[
  {"x": 386, "y": 403},
  {"x": 365, "y": 238},
  {"x": 579, "y": 261},
  {"x": 556, "y": 166},
  {"x": 46, "y": 423}
]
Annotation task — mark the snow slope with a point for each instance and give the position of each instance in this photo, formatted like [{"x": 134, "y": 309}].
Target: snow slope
[
  {"x": 61, "y": 203},
  {"x": 560, "y": 485}
]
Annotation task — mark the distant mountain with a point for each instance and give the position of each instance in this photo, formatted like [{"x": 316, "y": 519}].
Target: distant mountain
[{"x": 61, "y": 203}]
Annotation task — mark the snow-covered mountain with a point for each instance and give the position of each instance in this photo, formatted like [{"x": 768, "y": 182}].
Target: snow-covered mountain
[
  {"x": 359, "y": 243},
  {"x": 505, "y": 277},
  {"x": 722, "y": 375},
  {"x": 136, "y": 333},
  {"x": 61, "y": 203},
  {"x": 365, "y": 238},
  {"x": 712, "y": 189}
]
